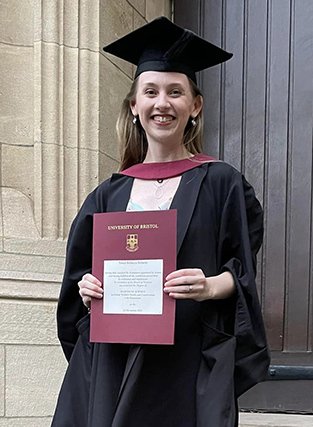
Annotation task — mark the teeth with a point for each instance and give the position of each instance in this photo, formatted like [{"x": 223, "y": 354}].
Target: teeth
[{"x": 162, "y": 119}]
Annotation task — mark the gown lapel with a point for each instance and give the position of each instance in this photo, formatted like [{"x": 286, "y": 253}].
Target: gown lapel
[
  {"x": 185, "y": 200},
  {"x": 119, "y": 192}
]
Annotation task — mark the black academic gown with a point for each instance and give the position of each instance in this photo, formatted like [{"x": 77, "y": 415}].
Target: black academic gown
[{"x": 220, "y": 347}]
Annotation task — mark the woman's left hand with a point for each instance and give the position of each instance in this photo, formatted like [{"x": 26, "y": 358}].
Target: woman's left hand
[{"x": 191, "y": 283}]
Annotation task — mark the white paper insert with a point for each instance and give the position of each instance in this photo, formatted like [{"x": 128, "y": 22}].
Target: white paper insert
[{"x": 133, "y": 287}]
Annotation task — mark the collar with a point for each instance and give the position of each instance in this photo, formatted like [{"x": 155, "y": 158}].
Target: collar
[{"x": 164, "y": 170}]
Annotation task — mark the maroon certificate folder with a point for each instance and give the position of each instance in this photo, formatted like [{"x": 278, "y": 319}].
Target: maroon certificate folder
[{"x": 133, "y": 252}]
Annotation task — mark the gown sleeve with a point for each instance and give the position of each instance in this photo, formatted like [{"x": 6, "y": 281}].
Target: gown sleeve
[
  {"x": 241, "y": 232},
  {"x": 78, "y": 262}
]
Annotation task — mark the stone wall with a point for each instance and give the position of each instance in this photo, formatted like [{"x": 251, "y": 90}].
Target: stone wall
[{"x": 59, "y": 97}]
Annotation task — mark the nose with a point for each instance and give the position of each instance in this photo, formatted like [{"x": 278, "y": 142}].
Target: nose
[{"x": 162, "y": 101}]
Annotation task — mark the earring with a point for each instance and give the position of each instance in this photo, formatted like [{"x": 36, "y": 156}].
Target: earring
[
  {"x": 135, "y": 120},
  {"x": 193, "y": 122}
]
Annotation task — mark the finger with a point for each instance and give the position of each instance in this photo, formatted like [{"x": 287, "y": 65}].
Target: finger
[
  {"x": 183, "y": 272},
  {"x": 184, "y": 280},
  {"x": 87, "y": 285},
  {"x": 89, "y": 293},
  {"x": 182, "y": 295},
  {"x": 92, "y": 279},
  {"x": 87, "y": 302},
  {"x": 181, "y": 289}
]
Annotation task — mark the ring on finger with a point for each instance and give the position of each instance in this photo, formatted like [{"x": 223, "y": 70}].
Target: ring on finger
[{"x": 190, "y": 288}]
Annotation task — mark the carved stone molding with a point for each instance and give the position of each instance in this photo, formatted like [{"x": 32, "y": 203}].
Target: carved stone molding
[{"x": 66, "y": 110}]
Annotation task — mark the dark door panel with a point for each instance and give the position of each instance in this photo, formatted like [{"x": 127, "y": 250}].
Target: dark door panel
[{"x": 258, "y": 117}]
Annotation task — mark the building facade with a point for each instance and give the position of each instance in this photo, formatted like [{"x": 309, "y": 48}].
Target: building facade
[{"x": 59, "y": 100}]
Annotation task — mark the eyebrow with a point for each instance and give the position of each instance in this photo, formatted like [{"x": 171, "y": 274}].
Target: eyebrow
[{"x": 170, "y": 85}]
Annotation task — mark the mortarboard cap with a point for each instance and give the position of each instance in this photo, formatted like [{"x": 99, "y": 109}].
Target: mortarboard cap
[{"x": 164, "y": 46}]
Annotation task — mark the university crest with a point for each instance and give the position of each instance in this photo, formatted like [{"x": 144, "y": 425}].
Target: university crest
[{"x": 132, "y": 242}]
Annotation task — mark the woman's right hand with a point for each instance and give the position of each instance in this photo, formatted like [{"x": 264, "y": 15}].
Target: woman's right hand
[{"x": 90, "y": 287}]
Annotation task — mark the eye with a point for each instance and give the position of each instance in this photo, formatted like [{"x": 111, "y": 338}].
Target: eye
[
  {"x": 150, "y": 92},
  {"x": 176, "y": 92}
]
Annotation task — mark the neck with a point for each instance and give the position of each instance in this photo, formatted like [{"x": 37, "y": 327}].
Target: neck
[{"x": 160, "y": 154}]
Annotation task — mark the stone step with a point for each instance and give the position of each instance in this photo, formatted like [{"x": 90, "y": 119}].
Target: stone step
[{"x": 274, "y": 420}]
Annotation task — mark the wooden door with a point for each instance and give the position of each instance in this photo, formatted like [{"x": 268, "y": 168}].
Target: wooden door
[{"x": 258, "y": 117}]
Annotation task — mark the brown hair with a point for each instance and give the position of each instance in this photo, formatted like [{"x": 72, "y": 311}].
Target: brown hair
[{"x": 132, "y": 137}]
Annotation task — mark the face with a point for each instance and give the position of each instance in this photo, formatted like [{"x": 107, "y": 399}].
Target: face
[{"x": 164, "y": 103}]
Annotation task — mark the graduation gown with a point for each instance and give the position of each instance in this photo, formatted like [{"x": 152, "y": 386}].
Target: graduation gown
[{"x": 220, "y": 348}]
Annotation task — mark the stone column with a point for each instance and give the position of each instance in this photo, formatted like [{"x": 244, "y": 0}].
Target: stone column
[{"x": 66, "y": 100}]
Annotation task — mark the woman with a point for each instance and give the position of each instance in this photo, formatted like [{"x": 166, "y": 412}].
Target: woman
[{"x": 220, "y": 346}]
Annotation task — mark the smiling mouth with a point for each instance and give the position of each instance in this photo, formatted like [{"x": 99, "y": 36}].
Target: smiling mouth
[{"x": 163, "y": 119}]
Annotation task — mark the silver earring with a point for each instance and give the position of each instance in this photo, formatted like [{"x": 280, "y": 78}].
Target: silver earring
[
  {"x": 135, "y": 120},
  {"x": 193, "y": 122}
]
